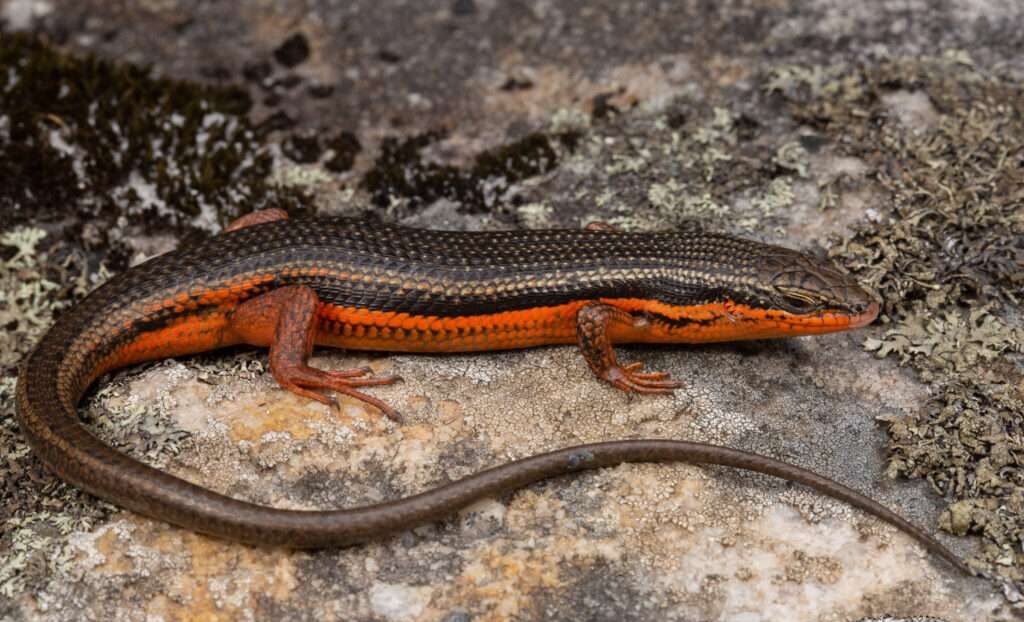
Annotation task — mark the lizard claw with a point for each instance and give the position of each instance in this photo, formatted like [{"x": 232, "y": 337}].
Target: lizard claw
[
  {"x": 627, "y": 379},
  {"x": 300, "y": 380},
  {"x": 654, "y": 375}
]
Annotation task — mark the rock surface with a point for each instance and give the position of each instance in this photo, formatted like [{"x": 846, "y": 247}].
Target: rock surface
[{"x": 647, "y": 107}]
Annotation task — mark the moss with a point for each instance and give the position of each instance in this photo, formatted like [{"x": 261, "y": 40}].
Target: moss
[
  {"x": 102, "y": 141},
  {"x": 346, "y": 147},
  {"x": 302, "y": 148},
  {"x": 945, "y": 254},
  {"x": 947, "y": 257},
  {"x": 401, "y": 172},
  {"x": 294, "y": 51}
]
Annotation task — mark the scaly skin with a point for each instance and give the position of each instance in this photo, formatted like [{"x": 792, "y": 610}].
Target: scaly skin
[{"x": 292, "y": 284}]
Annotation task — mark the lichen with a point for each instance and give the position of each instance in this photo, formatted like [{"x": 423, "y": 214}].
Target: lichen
[
  {"x": 946, "y": 255},
  {"x": 40, "y": 511},
  {"x": 31, "y": 527},
  {"x": 693, "y": 162}
]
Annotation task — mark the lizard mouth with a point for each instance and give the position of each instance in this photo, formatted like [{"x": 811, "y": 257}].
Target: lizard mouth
[{"x": 865, "y": 318}]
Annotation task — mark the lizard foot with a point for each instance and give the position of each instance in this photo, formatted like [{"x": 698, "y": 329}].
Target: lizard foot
[
  {"x": 302, "y": 379},
  {"x": 630, "y": 380}
]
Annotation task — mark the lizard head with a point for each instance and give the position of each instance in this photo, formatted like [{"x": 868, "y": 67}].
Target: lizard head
[
  {"x": 730, "y": 289},
  {"x": 810, "y": 295}
]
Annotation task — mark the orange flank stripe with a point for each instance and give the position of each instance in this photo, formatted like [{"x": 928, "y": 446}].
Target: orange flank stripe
[
  {"x": 364, "y": 329},
  {"x": 189, "y": 334}
]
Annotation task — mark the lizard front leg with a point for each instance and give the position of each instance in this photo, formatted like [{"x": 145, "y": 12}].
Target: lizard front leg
[{"x": 593, "y": 322}]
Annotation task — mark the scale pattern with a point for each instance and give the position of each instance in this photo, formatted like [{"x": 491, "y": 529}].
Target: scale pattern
[{"x": 187, "y": 297}]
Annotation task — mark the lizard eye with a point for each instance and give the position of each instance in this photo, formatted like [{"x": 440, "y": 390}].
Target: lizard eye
[{"x": 799, "y": 304}]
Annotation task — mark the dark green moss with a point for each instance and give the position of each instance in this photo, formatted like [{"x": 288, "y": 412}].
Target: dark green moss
[
  {"x": 520, "y": 160},
  {"x": 346, "y": 147},
  {"x": 276, "y": 122},
  {"x": 257, "y": 71},
  {"x": 570, "y": 139},
  {"x": 602, "y": 108},
  {"x": 401, "y": 172},
  {"x": 294, "y": 50},
  {"x": 302, "y": 148},
  {"x": 89, "y": 137},
  {"x": 35, "y": 176}
]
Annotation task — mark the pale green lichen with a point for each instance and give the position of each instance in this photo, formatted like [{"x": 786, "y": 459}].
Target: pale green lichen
[
  {"x": 24, "y": 239},
  {"x": 568, "y": 120},
  {"x": 535, "y": 215},
  {"x": 792, "y": 157},
  {"x": 26, "y": 298},
  {"x": 776, "y": 198},
  {"x": 310, "y": 177},
  {"x": 33, "y": 529},
  {"x": 948, "y": 340},
  {"x": 690, "y": 162},
  {"x": 946, "y": 255}
]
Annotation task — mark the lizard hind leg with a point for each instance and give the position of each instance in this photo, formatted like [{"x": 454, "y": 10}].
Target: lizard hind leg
[
  {"x": 285, "y": 319},
  {"x": 593, "y": 322}
]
